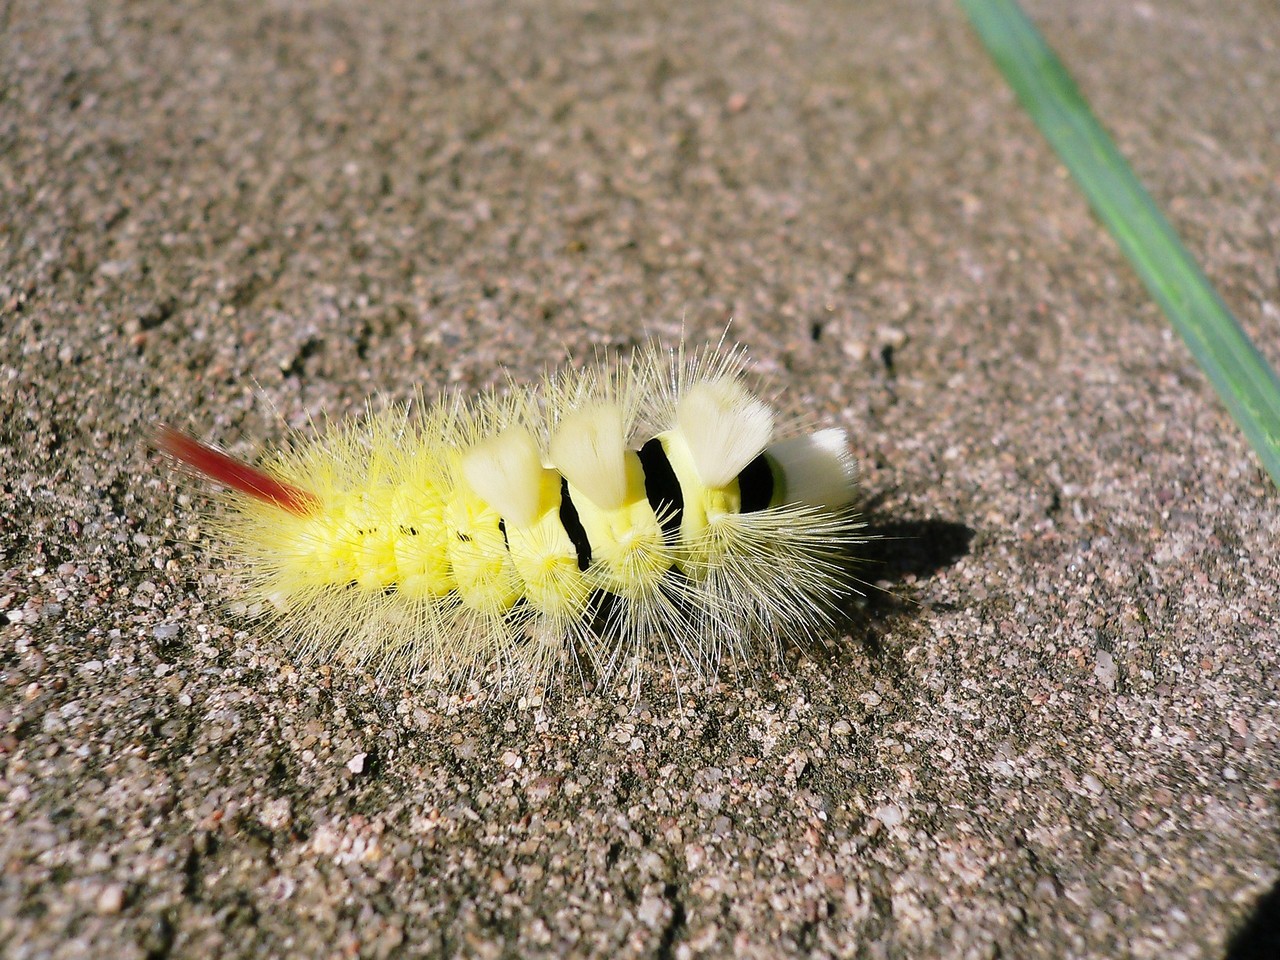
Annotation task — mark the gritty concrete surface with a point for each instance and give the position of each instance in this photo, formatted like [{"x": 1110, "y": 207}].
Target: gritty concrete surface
[{"x": 1058, "y": 737}]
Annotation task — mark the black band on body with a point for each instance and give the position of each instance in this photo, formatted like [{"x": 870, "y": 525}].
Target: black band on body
[
  {"x": 573, "y": 526},
  {"x": 755, "y": 485},
  {"x": 662, "y": 488}
]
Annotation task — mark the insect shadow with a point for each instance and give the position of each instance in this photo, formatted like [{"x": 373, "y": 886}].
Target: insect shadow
[
  {"x": 902, "y": 549},
  {"x": 897, "y": 554},
  {"x": 1259, "y": 937}
]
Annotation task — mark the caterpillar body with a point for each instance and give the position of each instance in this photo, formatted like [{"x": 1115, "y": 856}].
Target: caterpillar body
[{"x": 601, "y": 519}]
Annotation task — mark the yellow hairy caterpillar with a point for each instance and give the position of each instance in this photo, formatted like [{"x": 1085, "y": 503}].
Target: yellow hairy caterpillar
[{"x": 602, "y": 518}]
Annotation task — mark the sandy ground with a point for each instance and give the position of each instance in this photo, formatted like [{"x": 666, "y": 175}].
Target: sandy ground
[{"x": 1057, "y": 739}]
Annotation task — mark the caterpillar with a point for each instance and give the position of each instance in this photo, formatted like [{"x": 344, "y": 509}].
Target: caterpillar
[{"x": 600, "y": 519}]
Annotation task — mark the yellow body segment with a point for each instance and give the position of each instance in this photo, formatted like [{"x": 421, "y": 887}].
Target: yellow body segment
[
  {"x": 547, "y": 561},
  {"x": 316, "y": 550},
  {"x": 482, "y": 568},
  {"x": 369, "y": 535},
  {"x": 421, "y": 543},
  {"x": 628, "y": 553},
  {"x": 703, "y": 505}
]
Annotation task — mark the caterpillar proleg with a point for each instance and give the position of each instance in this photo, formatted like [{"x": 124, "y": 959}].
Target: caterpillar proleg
[{"x": 599, "y": 519}]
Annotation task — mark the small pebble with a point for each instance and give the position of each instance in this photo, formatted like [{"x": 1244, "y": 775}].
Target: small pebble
[
  {"x": 111, "y": 899},
  {"x": 890, "y": 814}
]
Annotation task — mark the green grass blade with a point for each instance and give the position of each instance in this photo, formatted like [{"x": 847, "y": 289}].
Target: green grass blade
[{"x": 1244, "y": 381}]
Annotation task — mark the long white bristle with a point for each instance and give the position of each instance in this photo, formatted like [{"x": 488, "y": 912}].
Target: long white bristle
[
  {"x": 725, "y": 427},
  {"x": 589, "y": 449},
  {"x": 816, "y": 469},
  {"x": 506, "y": 472}
]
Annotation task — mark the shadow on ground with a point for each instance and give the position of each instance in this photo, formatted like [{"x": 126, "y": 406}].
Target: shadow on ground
[
  {"x": 913, "y": 548},
  {"x": 898, "y": 553},
  {"x": 1259, "y": 938}
]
